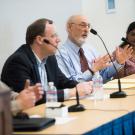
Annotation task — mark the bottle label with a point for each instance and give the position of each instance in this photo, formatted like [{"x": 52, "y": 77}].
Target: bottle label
[{"x": 51, "y": 92}]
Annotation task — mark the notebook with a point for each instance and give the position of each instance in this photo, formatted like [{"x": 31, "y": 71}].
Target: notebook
[{"x": 32, "y": 124}]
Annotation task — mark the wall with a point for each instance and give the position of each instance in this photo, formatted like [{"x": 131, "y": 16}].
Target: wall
[
  {"x": 16, "y": 15},
  {"x": 111, "y": 27}
]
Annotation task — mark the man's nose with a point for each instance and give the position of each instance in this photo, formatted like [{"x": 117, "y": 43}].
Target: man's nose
[
  {"x": 86, "y": 30},
  {"x": 58, "y": 40}
]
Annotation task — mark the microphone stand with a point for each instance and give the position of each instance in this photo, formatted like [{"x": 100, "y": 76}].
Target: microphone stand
[
  {"x": 77, "y": 107},
  {"x": 120, "y": 93}
]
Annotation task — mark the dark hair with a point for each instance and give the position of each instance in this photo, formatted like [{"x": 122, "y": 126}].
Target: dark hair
[
  {"x": 131, "y": 27},
  {"x": 35, "y": 29}
]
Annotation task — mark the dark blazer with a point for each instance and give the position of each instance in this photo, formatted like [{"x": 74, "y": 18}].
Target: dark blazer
[{"x": 22, "y": 65}]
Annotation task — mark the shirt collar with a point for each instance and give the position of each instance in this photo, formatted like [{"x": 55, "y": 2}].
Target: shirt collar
[
  {"x": 73, "y": 46},
  {"x": 39, "y": 62}
]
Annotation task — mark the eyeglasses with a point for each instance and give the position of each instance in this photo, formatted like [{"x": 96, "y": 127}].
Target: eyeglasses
[{"x": 82, "y": 25}]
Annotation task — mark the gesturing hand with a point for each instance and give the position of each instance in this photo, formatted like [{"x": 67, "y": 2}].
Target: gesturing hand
[
  {"x": 37, "y": 89},
  {"x": 122, "y": 54},
  {"x": 100, "y": 63}
]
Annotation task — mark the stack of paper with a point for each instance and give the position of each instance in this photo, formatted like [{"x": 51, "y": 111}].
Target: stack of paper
[
  {"x": 125, "y": 84},
  {"x": 123, "y": 80}
]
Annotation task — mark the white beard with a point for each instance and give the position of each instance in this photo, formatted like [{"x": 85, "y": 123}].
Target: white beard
[{"x": 81, "y": 41}]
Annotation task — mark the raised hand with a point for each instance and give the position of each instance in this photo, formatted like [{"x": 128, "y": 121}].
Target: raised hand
[
  {"x": 37, "y": 89},
  {"x": 123, "y": 54},
  {"x": 26, "y": 99},
  {"x": 101, "y": 63},
  {"x": 27, "y": 83},
  {"x": 84, "y": 88}
]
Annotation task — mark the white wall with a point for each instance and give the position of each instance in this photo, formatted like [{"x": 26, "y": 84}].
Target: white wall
[
  {"x": 110, "y": 26},
  {"x": 16, "y": 15}
]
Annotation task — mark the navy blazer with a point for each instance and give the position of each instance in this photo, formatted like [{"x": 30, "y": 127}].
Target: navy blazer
[{"x": 22, "y": 65}]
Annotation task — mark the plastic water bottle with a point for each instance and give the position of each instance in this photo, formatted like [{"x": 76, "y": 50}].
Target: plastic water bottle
[
  {"x": 51, "y": 93},
  {"x": 98, "y": 86}
]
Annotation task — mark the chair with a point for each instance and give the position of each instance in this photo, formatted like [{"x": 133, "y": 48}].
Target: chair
[{"x": 5, "y": 113}]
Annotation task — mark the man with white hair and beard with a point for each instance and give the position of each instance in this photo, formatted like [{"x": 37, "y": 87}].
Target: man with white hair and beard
[{"x": 81, "y": 59}]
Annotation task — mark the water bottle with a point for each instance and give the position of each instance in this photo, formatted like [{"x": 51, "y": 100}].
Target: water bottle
[
  {"x": 51, "y": 93},
  {"x": 98, "y": 86}
]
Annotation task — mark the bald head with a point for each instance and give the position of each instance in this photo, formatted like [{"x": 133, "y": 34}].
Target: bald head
[
  {"x": 77, "y": 18},
  {"x": 78, "y": 28}
]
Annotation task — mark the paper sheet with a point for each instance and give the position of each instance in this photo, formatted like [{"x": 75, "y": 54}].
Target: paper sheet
[
  {"x": 63, "y": 120},
  {"x": 115, "y": 85},
  {"x": 124, "y": 80}
]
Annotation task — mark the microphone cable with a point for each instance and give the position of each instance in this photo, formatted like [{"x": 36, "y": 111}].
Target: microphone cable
[{"x": 74, "y": 108}]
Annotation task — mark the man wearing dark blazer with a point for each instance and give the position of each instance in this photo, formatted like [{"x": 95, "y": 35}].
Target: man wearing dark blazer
[{"x": 35, "y": 61}]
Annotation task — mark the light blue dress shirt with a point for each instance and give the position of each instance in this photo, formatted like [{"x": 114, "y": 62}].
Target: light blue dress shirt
[
  {"x": 70, "y": 55},
  {"x": 42, "y": 72},
  {"x": 43, "y": 76}
]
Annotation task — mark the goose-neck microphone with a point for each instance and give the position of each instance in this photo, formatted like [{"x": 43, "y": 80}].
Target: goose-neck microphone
[
  {"x": 119, "y": 93},
  {"x": 77, "y": 107},
  {"x": 126, "y": 41}
]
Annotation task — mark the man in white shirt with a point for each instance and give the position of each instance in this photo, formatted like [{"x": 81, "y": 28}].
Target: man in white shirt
[
  {"x": 78, "y": 28},
  {"x": 36, "y": 61}
]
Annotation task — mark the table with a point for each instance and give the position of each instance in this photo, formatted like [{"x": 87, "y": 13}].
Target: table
[{"x": 104, "y": 117}]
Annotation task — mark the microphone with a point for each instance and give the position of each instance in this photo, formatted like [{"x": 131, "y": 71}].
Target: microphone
[
  {"x": 120, "y": 93},
  {"x": 77, "y": 107},
  {"x": 48, "y": 42},
  {"x": 126, "y": 41}
]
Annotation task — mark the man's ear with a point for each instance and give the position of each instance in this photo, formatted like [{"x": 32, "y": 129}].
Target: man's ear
[
  {"x": 69, "y": 25},
  {"x": 39, "y": 39}
]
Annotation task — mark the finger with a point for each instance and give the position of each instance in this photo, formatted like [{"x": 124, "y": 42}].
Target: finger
[
  {"x": 39, "y": 84},
  {"x": 126, "y": 47},
  {"x": 27, "y": 83},
  {"x": 117, "y": 50},
  {"x": 33, "y": 97},
  {"x": 106, "y": 56},
  {"x": 33, "y": 101},
  {"x": 108, "y": 64},
  {"x": 41, "y": 92},
  {"x": 107, "y": 59},
  {"x": 130, "y": 49},
  {"x": 90, "y": 83}
]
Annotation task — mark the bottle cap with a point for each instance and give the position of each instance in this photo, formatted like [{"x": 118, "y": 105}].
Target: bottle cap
[{"x": 51, "y": 83}]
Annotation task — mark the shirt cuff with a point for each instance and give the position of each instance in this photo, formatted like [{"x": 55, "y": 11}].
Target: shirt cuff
[
  {"x": 117, "y": 65},
  {"x": 14, "y": 95},
  {"x": 15, "y": 107},
  {"x": 87, "y": 75}
]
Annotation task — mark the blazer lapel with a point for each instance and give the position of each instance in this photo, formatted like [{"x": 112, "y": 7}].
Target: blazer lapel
[{"x": 34, "y": 62}]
